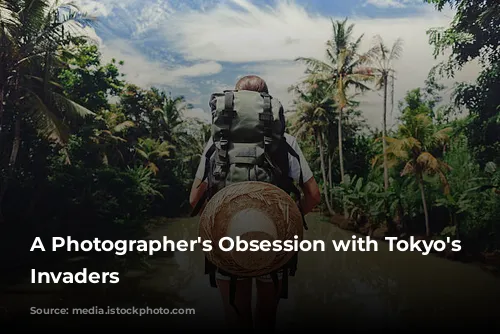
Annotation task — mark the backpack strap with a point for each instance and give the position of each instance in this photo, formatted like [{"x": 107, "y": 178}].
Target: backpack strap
[
  {"x": 296, "y": 156},
  {"x": 232, "y": 288},
  {"x": 232, "y": 293},
  {"x": 287, "y": 270},
  {"x": 274, "y": 278},
  {"x": 286, "y": 183},
  {"x": 211, "y": 269},
  {"x": 294, "y": 189},
  {"x": 222, "y": 146},
  {"x": 227, "y": 115},
  {"x": 267, "y": 118},
  {"x": 205, "y": 195},
  {"x": 284, "y": 284},
  {"x": 207, "y": 157},
  {"x": 293, "y": 264}
]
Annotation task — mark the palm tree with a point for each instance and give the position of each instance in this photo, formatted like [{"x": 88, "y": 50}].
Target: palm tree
[
  {"x": 111, "y": 136},
  {"x": 312, "y": 119},
  {"x": 170, "y": 115},
  {"x": 194, "y": 135},
  {"x": 342, "y": 70},
  {"x": 418, "y": 138},
  {"x": 384, "y": 58},
  {"x": 152, "y": 152},
  {"x": 31, "y": 34}
]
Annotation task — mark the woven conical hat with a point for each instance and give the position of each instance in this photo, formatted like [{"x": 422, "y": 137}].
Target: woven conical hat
[{"x": 252, "y": 211}]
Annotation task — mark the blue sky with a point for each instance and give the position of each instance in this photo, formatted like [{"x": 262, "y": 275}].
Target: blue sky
[{"x": 196, "y": 47}]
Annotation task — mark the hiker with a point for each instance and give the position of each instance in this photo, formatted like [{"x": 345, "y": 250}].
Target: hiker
[{"x": 269, "y": 288}]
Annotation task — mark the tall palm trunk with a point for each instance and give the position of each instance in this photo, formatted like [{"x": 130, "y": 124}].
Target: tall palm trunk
[
  {"x": 2, "y": 94},
  {"x": 341, "y": 157},
  {"x": 424, "y": 203},
  {"x": 330, "y": 175},
  {"x": 16, "y": 143},
  {"x": 3, "y": 76},
  {"x": 384, "y": 135},
  {"x": 323, "y": 172},
  {"x": 341, "y": 150},
  {"x": 12, "y": 161}
]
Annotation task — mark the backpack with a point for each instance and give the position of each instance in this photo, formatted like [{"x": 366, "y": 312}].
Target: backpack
[{"x": 249, "y": 144}]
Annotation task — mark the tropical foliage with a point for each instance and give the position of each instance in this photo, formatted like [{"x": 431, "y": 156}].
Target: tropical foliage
[
  {"x": 72, "y": 162},
  {"x": 411, "y": 183}
]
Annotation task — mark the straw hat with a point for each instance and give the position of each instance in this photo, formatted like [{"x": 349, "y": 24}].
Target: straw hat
[{"x": 252, "y": 211}]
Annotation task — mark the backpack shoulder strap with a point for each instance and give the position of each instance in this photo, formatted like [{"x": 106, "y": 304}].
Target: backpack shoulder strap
[
  {"x": 286, "y": 181},
  {"x": 294, "y": 154},
  {"x": 207, "y": 157},
  {"x": 267, "y": 118},
  {"x": 211, "y": 270},
  {"x": 226, "y": 116},
  {"x": 221, "y": 145}
]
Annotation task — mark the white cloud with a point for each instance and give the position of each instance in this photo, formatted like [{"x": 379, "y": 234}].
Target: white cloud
[
  {"x": 200, "y": 69},
  {"x": 138, "y": 18},
  {"x": 94, "y": 8},
  {"x": 101, "y": 8},
  {"x": 198, "y": 113},
  {"x": 272, "y": 38},
  {"x": 146, "y": 73},
  {"x": 215, "y": 85},
  {"x": 251, "y": 35},
  {"x": 268, "y": 38},
  {"x": 279, "y": 76},
  {"x": 388, "y": 3},
  {"x": 134, "y": 16}
]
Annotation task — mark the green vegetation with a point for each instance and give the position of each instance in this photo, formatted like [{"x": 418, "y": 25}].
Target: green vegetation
[
  {"x": 85, "y": 153},
  {"x": 436, "y": 174},
  {"x": 72, "y": 162}
]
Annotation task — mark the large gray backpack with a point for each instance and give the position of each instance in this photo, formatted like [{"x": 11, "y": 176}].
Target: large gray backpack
[{"x": 248, "y": 144}]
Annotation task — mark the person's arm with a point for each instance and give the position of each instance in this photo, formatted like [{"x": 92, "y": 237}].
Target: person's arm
[
  {"x": 312, "y": 196},
  {"x": 197, "y": 190},
  {"x": 310, "y": 188}
]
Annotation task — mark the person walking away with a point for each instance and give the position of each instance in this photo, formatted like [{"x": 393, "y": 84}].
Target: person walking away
[{"x": 241, "y": 316}]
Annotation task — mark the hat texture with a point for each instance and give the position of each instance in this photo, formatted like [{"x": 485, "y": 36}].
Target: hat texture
[{"x": 252, "y": 211}]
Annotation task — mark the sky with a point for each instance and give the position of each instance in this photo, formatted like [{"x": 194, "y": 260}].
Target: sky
[{"x": 196, "y": 47}]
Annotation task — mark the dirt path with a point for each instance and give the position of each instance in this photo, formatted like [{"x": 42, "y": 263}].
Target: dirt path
[{"x": 358, "y": 289}]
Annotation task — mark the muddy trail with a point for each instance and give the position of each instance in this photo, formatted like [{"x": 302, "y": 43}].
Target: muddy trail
[{"x": 355, "y": 289}]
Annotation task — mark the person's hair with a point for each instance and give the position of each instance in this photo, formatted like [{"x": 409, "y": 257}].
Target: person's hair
[{"x": 253, "y": 83}]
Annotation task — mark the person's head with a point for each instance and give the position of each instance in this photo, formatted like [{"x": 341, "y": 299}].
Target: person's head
[{"x": 253, "y": 83}]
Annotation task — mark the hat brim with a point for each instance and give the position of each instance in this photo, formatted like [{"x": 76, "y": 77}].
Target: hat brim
[{"x": 263, "y": 197}]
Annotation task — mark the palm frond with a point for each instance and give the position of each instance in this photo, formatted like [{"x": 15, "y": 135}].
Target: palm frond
[
  {"x": 397, "y": 49},
  {"x": 48, "y": 124},
  {"x": 443, "y": 135},
  {"x": 153, "y": 168},
  {"x": 444, "y": 182},
  {"x": 123, "y": 126},
  {"x": 72, "y": 109},
  {"x": 408, "y": 169},
  {"x": 428, "y": 162},
  {"x": 8, "y": 16},
  {"x": 317, "y": 65},
  {"x": 142, "y": 153}
]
